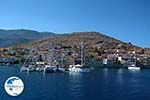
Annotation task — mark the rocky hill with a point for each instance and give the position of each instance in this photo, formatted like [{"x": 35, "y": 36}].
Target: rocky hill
[{"x": 90, "y": 39}]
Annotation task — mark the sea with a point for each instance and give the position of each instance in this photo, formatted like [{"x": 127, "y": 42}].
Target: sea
[{"x": 99, "y": 84}]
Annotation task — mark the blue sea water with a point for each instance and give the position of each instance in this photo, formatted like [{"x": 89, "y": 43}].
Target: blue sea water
[{"x": 101, "y": 84}]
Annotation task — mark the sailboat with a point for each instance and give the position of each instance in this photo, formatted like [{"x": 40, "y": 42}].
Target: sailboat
[
  {"x": 78, "y": 67},
  {"x": 40, "y": 62},
  {"x": 28, "y": 65},
  {"x": 51, "y": 67},
  {"x": 61, "y": 67},
  {"x": 132, "y": 65}
]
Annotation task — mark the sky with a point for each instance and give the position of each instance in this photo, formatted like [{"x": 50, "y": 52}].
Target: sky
[{"x": 126, "y": 20}]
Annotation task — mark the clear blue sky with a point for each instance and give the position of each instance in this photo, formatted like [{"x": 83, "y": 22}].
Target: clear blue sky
[{"x": 127, "y": 20}]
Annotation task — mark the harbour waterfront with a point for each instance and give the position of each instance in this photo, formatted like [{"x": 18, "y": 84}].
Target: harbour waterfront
[{"x": 100, "y": 84}]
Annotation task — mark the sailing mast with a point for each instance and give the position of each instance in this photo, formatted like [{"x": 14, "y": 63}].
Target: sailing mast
[
  {"x": 73, "y": 58},
  {"x": 62, "y": 60},
  {"x": 134, "y": 57},
  {"x": 51, "y": 52},
  {"x": 82, "y": 62}
]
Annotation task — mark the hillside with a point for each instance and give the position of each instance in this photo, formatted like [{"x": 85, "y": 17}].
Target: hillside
[
  {"x": 19, "y": 36},
  {"x": 90, "y": 39}
]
